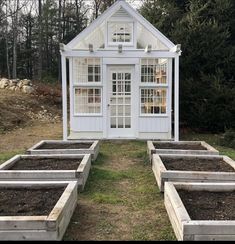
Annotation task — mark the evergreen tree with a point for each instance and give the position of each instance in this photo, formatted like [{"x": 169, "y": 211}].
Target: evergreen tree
[{"x": 206, "y": 31}]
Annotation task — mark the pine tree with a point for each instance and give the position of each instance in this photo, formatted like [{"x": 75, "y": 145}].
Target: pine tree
[{"x": 206, "y": 31}]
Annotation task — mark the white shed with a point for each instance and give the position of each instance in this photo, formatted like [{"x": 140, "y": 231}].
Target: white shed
[{"x": 122, "y": 73}]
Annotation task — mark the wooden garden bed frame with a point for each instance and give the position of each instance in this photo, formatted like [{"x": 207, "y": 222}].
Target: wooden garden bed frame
[
  {"x": 151, "y": 149},
  {"x": 80, "y": 174},
  {"x": 50, "y": 227},
  {"x": 163, "y": 175},
  {"x": 93, "y": 150},
  {"x": 197, "y": 230}
]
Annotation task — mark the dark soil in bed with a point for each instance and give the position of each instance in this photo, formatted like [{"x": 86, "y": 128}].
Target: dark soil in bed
[
  {"x": 28, "y": 202},
  {"x": 46, "y": 164},
  {"x": 64, "y": 146},
  {"x": 179, "y": 146},
  {"x": 196, "y": 164},
  {"x": 203, "y": 205}
]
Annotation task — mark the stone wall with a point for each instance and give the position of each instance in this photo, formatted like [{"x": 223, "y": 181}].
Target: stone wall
[{"x": 24, "y": 86}]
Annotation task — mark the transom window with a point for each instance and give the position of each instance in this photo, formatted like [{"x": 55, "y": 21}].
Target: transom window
[
  {"x": 120, "y": 32},
  {"x": 154, "y": 71},
  {"x": 87, "y": 70},
  {"x": 87, "y": 101},
  {"x": 153, "y": 101}
]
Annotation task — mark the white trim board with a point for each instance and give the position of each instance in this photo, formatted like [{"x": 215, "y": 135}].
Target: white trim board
[{"x": 125, "y": 54}]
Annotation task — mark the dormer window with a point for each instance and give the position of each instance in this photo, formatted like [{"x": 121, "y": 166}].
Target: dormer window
[{"x": 120, "y": 32}]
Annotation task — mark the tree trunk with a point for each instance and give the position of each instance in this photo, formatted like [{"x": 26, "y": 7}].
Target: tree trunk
[
  {"x": 40, "y": 40},
  {"x": 7, "y": 47},
  {"x": 59, "y": 38},
  {"x": 15, "y": 36}
]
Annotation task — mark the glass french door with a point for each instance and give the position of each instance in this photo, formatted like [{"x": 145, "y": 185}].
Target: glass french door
[{"x": 120, "y": 102}]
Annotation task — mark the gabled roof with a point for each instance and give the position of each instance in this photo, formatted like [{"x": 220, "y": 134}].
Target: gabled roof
[{"x": 120, "y": 7}]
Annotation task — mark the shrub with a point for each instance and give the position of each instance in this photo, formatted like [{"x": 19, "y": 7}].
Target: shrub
[{"x": 228, "y": 139}]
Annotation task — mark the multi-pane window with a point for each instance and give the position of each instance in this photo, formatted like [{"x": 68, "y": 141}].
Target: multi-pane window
[
  {"x": 153, "y": 100},
  {"x": 87, "y": 101},
  {"x": 154, "y": 70},
  {"x": 120, "y": 32},
  {"x": 87, "y": 70},
  {"x": 121, "y": 83}
]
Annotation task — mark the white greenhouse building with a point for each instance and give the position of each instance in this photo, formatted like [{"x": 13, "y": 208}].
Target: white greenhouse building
[{"x": 122, "y": 77}]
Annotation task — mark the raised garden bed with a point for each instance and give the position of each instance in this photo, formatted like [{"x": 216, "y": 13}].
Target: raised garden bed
[
  {"x": 36, "y": 210},
  {"x": 65, "y": 147},
  {"x": 201, "y": 211},
  {"x": 181, "y": 147},
  {"x": 47, "y": 167},
  {"x": 191, "y": 168}
]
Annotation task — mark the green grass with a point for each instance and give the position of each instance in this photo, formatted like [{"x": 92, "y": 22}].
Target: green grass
[
  {"x": 121, "y": 178},
  {"x": 110, "y": 198},
  {"x": 7, "y": 155}
]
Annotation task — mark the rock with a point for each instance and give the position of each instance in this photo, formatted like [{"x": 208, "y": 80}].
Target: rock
[
  {"x": 13, "y": 82},
  {"x": 4, "y": 83},
  {"x": 20, "y": 84},
  {"x": 26, "y": 82},
  {"x": 12, "y": 88},
  {"x": 27, "y": 89},
  {"x": 17, "y": 88}
]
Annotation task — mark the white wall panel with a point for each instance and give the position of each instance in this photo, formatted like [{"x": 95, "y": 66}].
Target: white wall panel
[
  {"x": 150, "y": 124},
  {"x": 87, "y": 124},
  {"x": 155, "y": 136}
]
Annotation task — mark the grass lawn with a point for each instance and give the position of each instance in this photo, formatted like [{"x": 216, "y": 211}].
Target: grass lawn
[{"x": 121, "y": 200}]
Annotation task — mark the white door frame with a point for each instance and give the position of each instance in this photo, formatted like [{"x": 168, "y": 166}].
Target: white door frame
[{"x": 112, "y": 133}]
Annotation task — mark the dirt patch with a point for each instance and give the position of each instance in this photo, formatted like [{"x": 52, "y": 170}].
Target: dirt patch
[
  {"x": 185, "y": 146},
  {"x": 23, "y": 139},
  {"x": 196, "y": 164},
  {"x": 28, "y": 202},
  {"x": 98, "y": 222},
  {"x": 46, "y": 164},
  {"x": 18, "y": 110},
  {"x": 64, "y": 146},
  {"x": 203, "y": 205}
]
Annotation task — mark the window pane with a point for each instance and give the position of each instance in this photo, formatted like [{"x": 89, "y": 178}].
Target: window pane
[
  {"x": 90, "y": 69},
  {"x": 120, "y": 122},
  {"x": 153, "y": 101},
  {"x": 97, "y": 78},
  {"x": 90, "y": 78},
  {"x": 154, "y": 70},
  {"x": 87, "y": 101},
  {"x": 127, "y": 76},
  {"x": 128, "y": 123},
  {"x": 86, "y": 70},
  {"x": 113, "y": 122},
  {"x": 120, "y": 32},
  {"x": 97, "y": 70}
]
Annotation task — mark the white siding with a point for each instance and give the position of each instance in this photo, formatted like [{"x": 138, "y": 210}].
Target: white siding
[
  {"x": 74, "y": 135},
  {"x": 155, "y": 136},
  {"x": 87, "y": 123},
  {"x": 150, "y": 124}
]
